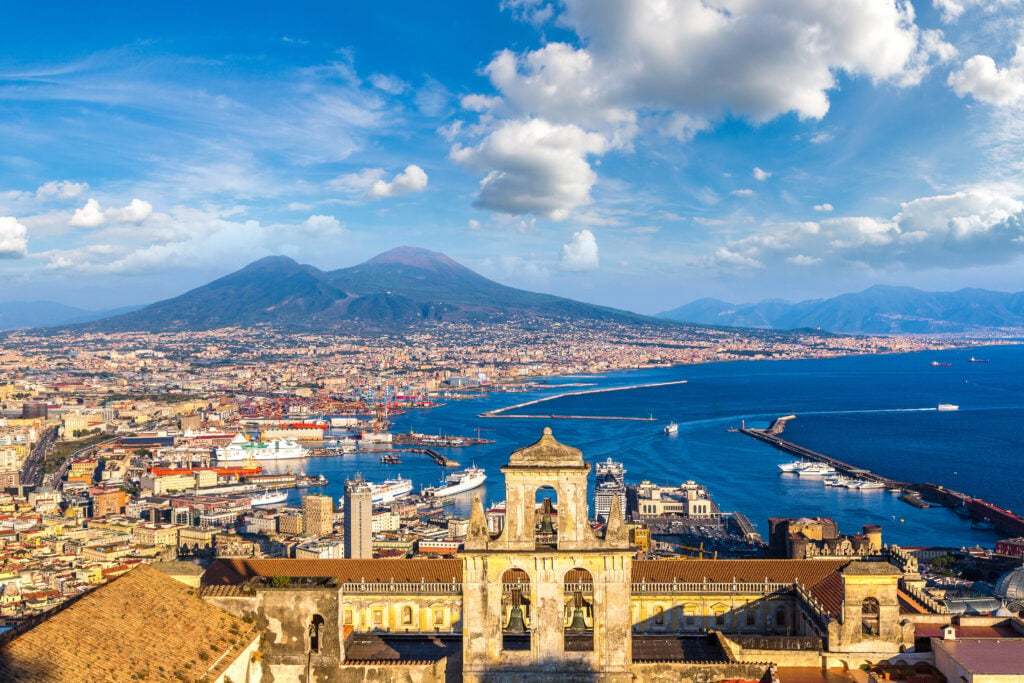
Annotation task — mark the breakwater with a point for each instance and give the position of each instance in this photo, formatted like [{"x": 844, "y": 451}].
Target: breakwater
[
  {"x": 501, "y": 412},
  {"x": 1004, "y": 520}
]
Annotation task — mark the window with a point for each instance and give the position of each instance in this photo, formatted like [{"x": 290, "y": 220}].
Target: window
[
  {"x": 438, "y": 616},
  {"x": 407, "y": 616},
  {"x": 750, "y": 619},
  {"x": 378, "y": 617},
  {"x": 348, "y": 617},
  {"x": 780, "y": 616},
  {"x": 659, "y": 616},
  {"x": 869, "y": 617}
]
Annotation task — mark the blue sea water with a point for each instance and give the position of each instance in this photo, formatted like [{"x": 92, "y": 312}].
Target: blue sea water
[{"x": 874, "y": 411}]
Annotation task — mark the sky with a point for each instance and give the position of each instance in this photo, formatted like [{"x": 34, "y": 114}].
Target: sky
[{"x": 634, "y": 153}]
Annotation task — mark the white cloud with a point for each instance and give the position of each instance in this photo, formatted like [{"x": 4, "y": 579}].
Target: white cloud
[
  {"x": 392, "y": 85},
  {"x": 60, "y": 189},
  {"x": 534, "y": 166},
  {"x": 821, "y": 138},
  {"x": 960, "y": 230},
  {"x": 581, "y": 252},
  {"x": 323, "y": 225},
  {"x": 826, "y": 207},
  {"x": 535, "y": 12},
  {"x": 412, "y": 179},
  {"x": 92, "y": 215},
  {"x": 952, "y": 10},
  {"x": 743, "y": 192},
  {"x": 474, "y": 224},
  {"x": 13, "y": 238},
  {"x": 761, "y": 174},
  {"x": 983, "y": 80},
  {"x": 358, "y": 182}
]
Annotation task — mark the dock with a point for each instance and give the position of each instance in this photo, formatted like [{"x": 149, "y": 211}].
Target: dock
[
  {"x": 500, "y": 412},
  {"x": 435, "y": 456}
]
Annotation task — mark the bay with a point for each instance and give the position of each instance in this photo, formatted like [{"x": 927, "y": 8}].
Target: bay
[{"x": 874, "y": 411}]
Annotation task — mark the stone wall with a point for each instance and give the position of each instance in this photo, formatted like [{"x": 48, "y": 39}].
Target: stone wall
[{"x": 696, "y": 672}]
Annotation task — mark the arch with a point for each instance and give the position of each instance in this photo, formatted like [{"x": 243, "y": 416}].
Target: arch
[
  {"x": 658, "y": 615},
  {"x": 516, "y": 591},
  {"x": 407, "y": 616},
  {"x": 579, "y": 616},
  {"x": 316, "y": 628},
  {"x": 720, "y": 611},
  {"x": 870, "y": 614}
]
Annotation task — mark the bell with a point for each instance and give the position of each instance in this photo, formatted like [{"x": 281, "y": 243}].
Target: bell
[
  {"x": 515, "y": 620},
  {"x": 578, "y": 624},
  {"x": 546, "y": 528}
]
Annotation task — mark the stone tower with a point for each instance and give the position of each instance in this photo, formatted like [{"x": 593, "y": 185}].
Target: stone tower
[
  {"x": 546, "y": 597},
  {"x": 870, "y": 621}
]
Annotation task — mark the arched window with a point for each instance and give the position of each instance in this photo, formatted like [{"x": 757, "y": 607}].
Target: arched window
[
  {"x": 869, "y": 617},
  {"x": 407, "y": 616},
  {"x": 659, "y": 616},
  {"x": 316, "y": 627}
]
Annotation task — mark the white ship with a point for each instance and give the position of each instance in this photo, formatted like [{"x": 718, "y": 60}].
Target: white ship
[
  {"x": 457, "y": 482},
  {"x": 671, "y": 428},
  {"x": 794, "y": 466},
  {"x": 241, "y": 449},
  {"x": 947, "y": 407},
  {"x": 817, "y": 469},
  {"x": 389, "y": 490},
  {"x": 270, "y": 498}
]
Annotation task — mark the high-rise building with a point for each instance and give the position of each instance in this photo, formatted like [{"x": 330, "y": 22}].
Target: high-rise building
[
  {"x": 317, "y": 515},
  {"x": 611, "y": 483},
  {"x": 358, "y": 519}
]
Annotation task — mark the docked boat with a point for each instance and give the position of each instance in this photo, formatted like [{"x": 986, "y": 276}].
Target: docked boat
[
  {"x": 390, "y": 459},
  {"x": 269, "y": 498},
  {"x": 390, "y": 490},
  {"x": 671, "y": 428},
  {"x": 816, "y": 469},
  {"x": 863, "y": 485},
  {"x": 457, "y": 482},
  {"x": 947, "y": 407},
  {"x": 241, "y": 449},
  {"x": 794, "y": 466},
  {"x": 962, "y": 511},
  {"x": 983, "y": 525},
  {"x": 837, "y": 481}
]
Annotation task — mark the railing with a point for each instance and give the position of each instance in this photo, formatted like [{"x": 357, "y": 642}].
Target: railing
[
  {"x": 817, "y": 610},
  {"x": 929, "y": 602},
  {"x": 396, "y": 587},
  {"x": 709, "y": 587}
]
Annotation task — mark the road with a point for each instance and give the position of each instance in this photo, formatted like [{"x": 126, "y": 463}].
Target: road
[{"x": 32, "y": 473}]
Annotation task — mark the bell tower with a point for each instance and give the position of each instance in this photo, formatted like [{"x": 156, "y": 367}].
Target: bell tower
[{"x": 547, "y": 597}]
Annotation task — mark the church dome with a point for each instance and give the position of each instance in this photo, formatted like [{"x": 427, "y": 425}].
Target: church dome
[{"x": 1011, "y": 585}]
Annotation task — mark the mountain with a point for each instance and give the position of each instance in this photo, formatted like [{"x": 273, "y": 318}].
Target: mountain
[
  {"x": 877, "y": 310},
  {"x": 24, "y": 314},
  {"x": 402, "y": 287}
]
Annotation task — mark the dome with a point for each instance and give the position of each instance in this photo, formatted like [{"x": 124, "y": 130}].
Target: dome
[{"x": 1010, "y": 585}]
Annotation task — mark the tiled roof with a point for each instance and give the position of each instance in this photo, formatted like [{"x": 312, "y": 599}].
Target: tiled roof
[
  {"x": 235, "y": 571},
  {"x": 806, "y": 572},
  {"x": 143, "y": 624}
]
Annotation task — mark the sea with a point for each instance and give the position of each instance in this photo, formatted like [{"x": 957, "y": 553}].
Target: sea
[{"x": 874, "y": 411}]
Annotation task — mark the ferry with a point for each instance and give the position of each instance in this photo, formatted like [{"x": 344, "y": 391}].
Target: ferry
[
  {"x": 671, "y": 428},
  {"x": 241, "y": 449},
  {"x": 269, "y": 498},
  {"x": 457, "y": 482},
  {"x": 947, "y": 407},
  {"x": 817, "y": 469},
  {"x": 794, "y": 466},
  {"x": 390, "y": 490}
]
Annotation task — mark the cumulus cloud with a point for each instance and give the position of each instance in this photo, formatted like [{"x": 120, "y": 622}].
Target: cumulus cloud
[
  {"x": 92, "y": 215},
  {"x": 323, "y": 225},
  {"x": 825, "y": 208},
  {"x": 580, "y": 253},
  {"x": 13, "y": 238},
  {"x": 60, "y": 189},
  {"x": 412, "y": 179},
  {"x": 960, "y": 230},
  {"x": 952, "y": 10},
  {"x": 534, "y": 166},
  {"x": 983, "y": 80},
  {"x": 760, "y": 174}
]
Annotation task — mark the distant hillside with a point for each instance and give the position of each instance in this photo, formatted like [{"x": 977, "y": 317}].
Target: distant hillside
[
  {"x": 876, "y": 310},
  {"x": 25, "y": 314},
  {"x": 405, "y": 286}
]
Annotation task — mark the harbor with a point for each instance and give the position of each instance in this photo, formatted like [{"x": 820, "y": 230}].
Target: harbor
[{"x": 501, "y": 412}]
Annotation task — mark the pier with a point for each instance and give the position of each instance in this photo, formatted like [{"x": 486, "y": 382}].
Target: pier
[
  {"x": 435, "y": 456},
  {"x": 500, "y": 412},
  {"x": 1005, "y": 521}
]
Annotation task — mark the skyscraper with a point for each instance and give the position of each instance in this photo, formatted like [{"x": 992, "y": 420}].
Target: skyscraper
[
  {"x": 317, "y": 515},
  {"x": 358, "y": 519}
]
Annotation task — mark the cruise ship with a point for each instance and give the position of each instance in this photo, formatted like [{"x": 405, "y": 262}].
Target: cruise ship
[
  {"x": 817, "y": 469},
  {"x": 457, "y": 482},
  {"x": 389, "y": 490},
  {"x": 270, "y": 498},
  {"x": 241, "y": 449}
]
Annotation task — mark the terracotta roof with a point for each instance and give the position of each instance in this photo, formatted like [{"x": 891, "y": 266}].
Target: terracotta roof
[
  {"x": 235, "y": 571},
  {"x": 807, "y": 572},
  {"x": 143, "y": 624}
]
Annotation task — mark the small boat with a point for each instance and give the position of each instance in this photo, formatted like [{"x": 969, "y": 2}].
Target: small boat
[
  {"x": 390, "y": 459},
  {"x": 962, "y": 511},
  {"x": 870, "y": 486},
  {"x": 947, "y": 407},
  {"x": 937, "y": 364},
  {"x": 671, "y": 428},
  {"x": 978, "y": 360},
  {"x": 983, "y": 525}
]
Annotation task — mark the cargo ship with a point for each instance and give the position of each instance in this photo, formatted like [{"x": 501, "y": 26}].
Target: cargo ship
[
  {"x": 457, "y": 482},
  {"x": 389, "y": 490},
  {"x": 241, "y": 449}
]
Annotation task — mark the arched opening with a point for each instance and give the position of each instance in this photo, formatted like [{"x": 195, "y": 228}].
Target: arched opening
[
  {"x": 869, "y": 617},
  {"x": 316, "y": 627},
  {"x": 515, "y": 610},
  {"x": 579, "y": 610},
  {"x": 407, "y": 618},
  {"x": 545, "y": 523},
  {"x": 658, "y": 615}
]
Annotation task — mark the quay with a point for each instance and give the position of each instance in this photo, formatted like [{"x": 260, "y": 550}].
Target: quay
[
  {"x": 1005, "y": 521},
  {"x": 499, "y": 412},
  {"x": 436, "y": 457}
]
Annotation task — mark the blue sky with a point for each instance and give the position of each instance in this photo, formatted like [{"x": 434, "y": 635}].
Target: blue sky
[{"x": 634, "y": 153}]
